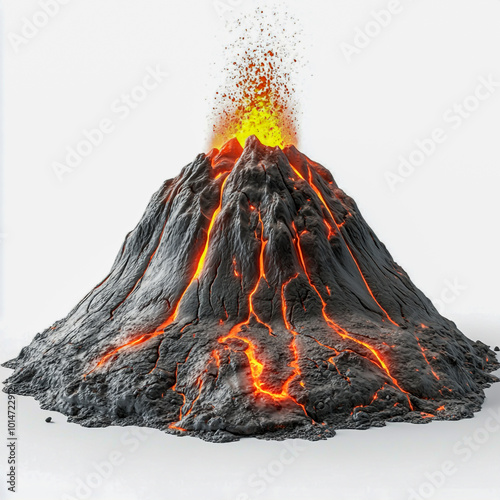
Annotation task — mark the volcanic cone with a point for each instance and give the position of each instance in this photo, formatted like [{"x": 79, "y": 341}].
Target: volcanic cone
[{"x": 252, "y": 299}]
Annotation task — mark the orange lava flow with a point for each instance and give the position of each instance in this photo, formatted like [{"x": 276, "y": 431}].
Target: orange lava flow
[
  {"x": 342, "y": 332},
  {"x": 256, "y": 367},
  {"x": 332, "y": 362},
  {"x": 235, "y": 270},
  {"x": 200, "y": 386},
  {"x": 216, "y": 357},
  {"x": 105, "y": 358},
  {"x": 173, "y": 316},
  {"x": 262, "y": 275},
  {"x": 201, "y": 262},
  {"x": 181, "y": 415},
  {"x": 199, "y": 381},
  {"x": 320, "y": 196},
  {"x": 283, "y": 302},
  {"x": 375, "y": 397},
  {"x": 293, "y": 346},
  {"x": 199, "y": 267},
  {"x": 427, "y": 415},
  {"x": 174, "y": 388},
  {"x": 436, "y": 376}
]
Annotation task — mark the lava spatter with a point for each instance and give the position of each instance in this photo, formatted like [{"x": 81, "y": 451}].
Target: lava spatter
[{"x": 258, "y": 93}]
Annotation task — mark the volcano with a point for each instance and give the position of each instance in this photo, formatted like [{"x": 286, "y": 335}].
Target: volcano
[{"x": 253, "y": 300}]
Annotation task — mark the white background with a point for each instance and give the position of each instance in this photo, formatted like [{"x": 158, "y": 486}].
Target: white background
[{"x": 60, "y": 238}]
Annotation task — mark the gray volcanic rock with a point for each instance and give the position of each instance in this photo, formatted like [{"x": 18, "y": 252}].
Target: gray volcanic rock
[{"x": 252, "y": 299}]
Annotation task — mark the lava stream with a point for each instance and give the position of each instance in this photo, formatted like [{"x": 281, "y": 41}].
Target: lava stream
[
  {"x": 320, "y": 196},
  {"x": 343, "y": 333},
  {"x": 422, "y": 350},
  {"x": 174, "y": 388},
  {"x": 181, "y": 415},
  {"x": 256, "y": 367},
  {"x": 173, "y": 316}
]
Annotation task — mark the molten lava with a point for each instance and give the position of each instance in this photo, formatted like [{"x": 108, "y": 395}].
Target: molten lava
[{"x": 256, "y": 366}]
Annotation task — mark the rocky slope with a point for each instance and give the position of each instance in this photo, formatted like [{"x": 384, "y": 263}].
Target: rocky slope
[{"x": 252, "y": 299}]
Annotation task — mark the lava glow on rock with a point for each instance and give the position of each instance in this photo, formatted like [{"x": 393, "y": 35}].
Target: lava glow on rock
[{"x": 252, "y": 299}]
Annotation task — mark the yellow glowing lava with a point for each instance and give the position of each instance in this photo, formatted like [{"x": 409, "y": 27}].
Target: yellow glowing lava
[{"x": 264, "y": 121}]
